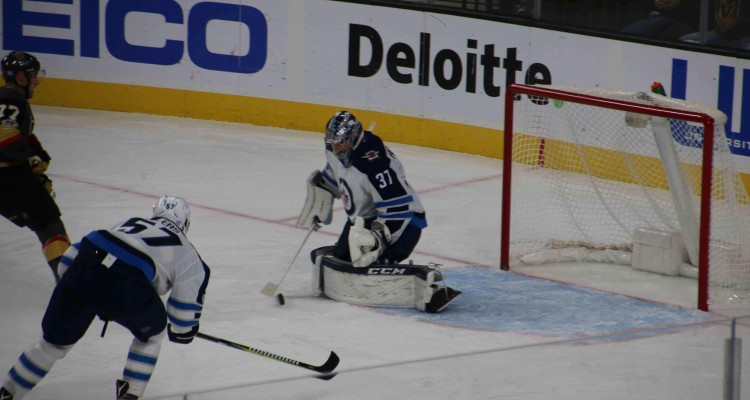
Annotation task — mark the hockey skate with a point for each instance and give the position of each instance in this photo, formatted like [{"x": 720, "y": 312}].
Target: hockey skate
[
  {"x": 121, "y": 388},
  {"x": 5, "y": 395},
  {"x": 442, "y": 297}
]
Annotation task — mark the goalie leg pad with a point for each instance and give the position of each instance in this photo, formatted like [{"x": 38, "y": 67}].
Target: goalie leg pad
[
  {"x": 378, "y": 285},
  {"x": 374, "y": 286},
  {"x": 424, "y": 292}
]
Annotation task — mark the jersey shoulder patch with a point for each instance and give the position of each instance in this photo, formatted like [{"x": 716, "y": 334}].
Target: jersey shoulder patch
[{"x": 370, "y": 154}]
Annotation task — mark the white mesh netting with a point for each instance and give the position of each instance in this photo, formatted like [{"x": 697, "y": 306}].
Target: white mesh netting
[{"x": 589, "y": 176}]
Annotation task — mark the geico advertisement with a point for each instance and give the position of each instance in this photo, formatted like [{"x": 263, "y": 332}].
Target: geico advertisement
[
  {"x": 200, "y": 45},
  {"x": 455, "y": 69}
]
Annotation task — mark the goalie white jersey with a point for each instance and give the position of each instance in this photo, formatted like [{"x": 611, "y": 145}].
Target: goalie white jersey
[{"x": 375, "y": 186}]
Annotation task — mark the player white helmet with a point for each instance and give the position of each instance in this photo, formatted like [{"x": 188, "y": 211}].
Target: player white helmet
[{"x": 174, "y": 209}]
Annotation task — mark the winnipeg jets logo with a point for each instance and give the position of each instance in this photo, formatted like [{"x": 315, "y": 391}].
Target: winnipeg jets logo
[
  {"x": 371, "y": 155},
  {"x": 346, "y": 196}
]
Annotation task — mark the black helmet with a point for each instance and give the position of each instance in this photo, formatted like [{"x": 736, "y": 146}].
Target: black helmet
[{"x": 18, "y": 61}]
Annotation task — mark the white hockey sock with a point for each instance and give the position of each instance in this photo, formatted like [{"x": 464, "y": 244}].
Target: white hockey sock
[
  {"x": 141, "y": 363},
  {"x": 32, "y": 366}
]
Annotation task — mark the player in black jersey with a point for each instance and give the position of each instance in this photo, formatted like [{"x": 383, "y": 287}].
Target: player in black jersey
[{"x": 28, "y": 199}]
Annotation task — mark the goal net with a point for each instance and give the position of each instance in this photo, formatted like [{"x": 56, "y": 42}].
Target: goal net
[{"x": 597, "y": 175}]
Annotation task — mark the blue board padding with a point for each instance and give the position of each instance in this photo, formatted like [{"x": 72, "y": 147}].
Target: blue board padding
[{"x": 503, "y": 301}]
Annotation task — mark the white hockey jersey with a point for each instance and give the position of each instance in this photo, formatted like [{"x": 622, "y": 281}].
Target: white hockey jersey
[
  {"x": 166, "y": 257},
  {"x": 375, "y": 186}
]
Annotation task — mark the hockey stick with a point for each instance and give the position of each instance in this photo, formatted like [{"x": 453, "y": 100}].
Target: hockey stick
[
  {"x": 270, "y": 288},
  {"x": 326, "y": 368}
]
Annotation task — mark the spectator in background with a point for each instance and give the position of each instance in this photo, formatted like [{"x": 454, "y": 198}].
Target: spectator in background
[
  {"x": 731, "y": 26},
  {"x": 669, "y": 20}
]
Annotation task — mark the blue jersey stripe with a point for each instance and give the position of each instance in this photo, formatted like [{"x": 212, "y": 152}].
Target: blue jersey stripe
[
  {"x": 419, "y": 220},
  {"x": 141, "y": 358},
  {"x": 181, "y": 322},
  {"x": 66, "y": 261},
  {"x": 405, "y": 215},
  {"x": 394, "y": 202},
  {"x": 23, "y": 382},
  {"x": 184, "y": 306},
  {"x": 123, "y": 253},
  {"x": 415, "y": 219},
  {"x": 136, "y": 375},
  {"x": 328, "y": 177},
  {"x": 31, "y": 367}
]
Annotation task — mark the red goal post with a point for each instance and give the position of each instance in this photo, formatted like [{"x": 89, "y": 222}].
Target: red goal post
[{"x": 629, "y": 177}]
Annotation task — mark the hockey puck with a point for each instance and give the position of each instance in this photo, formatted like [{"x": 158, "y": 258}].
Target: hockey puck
[{"x": 280, "y": 299}]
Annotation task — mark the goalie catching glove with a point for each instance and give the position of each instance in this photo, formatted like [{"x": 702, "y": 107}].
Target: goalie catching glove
[
  {"x": 318, "y": 206},
  {"x": 365, "y": 245}
]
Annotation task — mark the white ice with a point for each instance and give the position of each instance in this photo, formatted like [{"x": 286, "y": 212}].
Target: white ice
[{"x": 246, "y": 185}]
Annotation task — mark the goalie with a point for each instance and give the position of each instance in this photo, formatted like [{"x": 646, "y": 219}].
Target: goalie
[{"x": 385, "y": 221}]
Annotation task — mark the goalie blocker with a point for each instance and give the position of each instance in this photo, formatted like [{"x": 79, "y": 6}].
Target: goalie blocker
[{"x": 380, "y": 285}]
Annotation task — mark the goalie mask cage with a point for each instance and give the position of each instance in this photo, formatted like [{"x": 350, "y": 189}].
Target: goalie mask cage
[{"x": 588, "y": 171}]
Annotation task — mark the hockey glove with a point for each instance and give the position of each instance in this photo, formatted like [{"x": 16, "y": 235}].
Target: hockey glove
[
  {"x": 38, "y": 166},
  {"x": 47, "y": 183},
  {"x": 182, "y": 337},
  {"x": 365, "y": 246}
]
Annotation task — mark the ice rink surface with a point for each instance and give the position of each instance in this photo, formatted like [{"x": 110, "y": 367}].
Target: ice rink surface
[{"x": 568, "y": 332}]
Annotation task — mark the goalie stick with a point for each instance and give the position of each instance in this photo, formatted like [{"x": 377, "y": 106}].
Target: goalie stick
[
  {"x": 271, "y": 288},
  {"x": 326, "y": 368}
]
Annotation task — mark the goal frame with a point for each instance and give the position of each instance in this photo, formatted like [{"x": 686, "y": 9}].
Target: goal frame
[{"x": 706, "y": 170}]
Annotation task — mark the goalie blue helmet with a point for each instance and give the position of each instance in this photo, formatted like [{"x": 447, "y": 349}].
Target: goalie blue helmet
[
  {"x": 343, "y": 133},
  {"x": 174, "y": 209}
]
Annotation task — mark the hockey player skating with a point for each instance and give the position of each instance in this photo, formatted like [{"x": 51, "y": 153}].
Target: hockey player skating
[
  {"x": 385, "y": 222},
  {"x": 118, "y": 274},
  {"x": 27, "y": 198}
]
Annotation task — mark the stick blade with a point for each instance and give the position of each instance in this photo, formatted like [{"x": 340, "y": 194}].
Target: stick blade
[
  {"x": 326, "y": 377},
  {"x": 330, "y": 364},
  {"x": 270, "y": 289}
]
